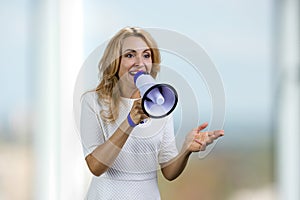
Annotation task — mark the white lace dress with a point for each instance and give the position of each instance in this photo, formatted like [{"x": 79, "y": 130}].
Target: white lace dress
[{"x": 133, "y": 175}]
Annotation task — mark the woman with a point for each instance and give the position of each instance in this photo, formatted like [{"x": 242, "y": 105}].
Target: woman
[{"x": 123, "y": 148}]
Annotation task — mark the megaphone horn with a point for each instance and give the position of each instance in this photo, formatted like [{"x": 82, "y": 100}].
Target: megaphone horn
[{"x": 158, "y": 100}]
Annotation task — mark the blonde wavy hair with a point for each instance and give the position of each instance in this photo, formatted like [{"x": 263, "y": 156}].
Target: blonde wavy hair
[{"x": 108, "y": 90}]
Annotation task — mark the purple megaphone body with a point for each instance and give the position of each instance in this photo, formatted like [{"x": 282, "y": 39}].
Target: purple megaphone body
[{"x": 158, "y": 100}]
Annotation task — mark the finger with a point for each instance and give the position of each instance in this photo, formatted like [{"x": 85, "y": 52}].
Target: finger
[
  {"x": 138, "y": 109},
  {"x": 218, "y": 133},
  {"x": 210, "y": 141},
  {"x": 138, "y": 106},
  {"x": 202, "y": 126},
  {"x": 206, "y": 137},
  {"x": 140, "y": 112},
  {"x": 203, "y": 147},
  {"x": 144, "y": 116},
  {"x": 198, "y": 141},
  {"x": 212, "y": 135},
  {"x": 137, "y": 102}
]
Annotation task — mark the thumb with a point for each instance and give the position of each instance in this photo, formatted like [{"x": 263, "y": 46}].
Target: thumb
[{"x": 202, "y": 126}]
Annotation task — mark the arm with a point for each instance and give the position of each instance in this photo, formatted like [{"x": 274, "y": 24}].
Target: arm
[
  {"x": 105, "y": 154},
  {"x": 195, "y": 141},
  {"x": 172, "y": 169}
]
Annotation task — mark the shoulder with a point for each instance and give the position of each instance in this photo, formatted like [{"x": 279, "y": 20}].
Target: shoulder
[
  {"x": 91, "y": 99},
  {"x": 89, "y": 96}
]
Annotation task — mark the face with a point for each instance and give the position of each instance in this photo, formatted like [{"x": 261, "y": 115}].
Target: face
[{"x": 136, "y": 56}]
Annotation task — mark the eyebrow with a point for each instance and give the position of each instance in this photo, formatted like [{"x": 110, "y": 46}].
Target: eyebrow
[{"x": 132, "y": 50}]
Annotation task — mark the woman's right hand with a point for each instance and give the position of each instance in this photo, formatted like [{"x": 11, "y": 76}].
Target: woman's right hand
[{"x": 136, "y": 113}]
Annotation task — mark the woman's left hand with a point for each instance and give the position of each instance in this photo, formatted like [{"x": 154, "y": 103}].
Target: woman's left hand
[{"x": 197, "y": 141}]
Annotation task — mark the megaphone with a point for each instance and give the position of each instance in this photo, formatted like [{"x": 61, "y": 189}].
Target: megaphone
[{"x": 158, "y": 100}]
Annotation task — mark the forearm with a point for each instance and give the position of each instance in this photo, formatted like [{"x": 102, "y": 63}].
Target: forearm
[
  {"x": 195, "y": 141},
  {"x": 175, "y": 167},
  {"x": 105, "y": 154}
]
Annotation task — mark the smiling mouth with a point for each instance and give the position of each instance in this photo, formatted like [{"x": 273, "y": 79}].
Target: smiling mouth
[{"x": 132, "y": 73}]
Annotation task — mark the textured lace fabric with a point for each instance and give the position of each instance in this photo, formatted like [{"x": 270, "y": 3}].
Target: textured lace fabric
[
  {"x": 133, "y": 173},
  {"x": 102, "y": 188}
]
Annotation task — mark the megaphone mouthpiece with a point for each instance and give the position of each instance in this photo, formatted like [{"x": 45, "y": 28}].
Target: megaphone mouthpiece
[
  {"x": 138, "y": 74},
  {"x": 156, "y": 96}
]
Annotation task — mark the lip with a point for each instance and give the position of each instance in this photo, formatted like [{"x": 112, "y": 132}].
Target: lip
[{"x": 133, "y": 72}]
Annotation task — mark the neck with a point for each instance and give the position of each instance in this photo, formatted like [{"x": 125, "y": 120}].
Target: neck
[{"x": 131, "y": 93}]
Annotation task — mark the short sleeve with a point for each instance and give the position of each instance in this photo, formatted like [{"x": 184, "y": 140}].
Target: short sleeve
[
  {"x": 168, "y": 149},
  {"x": 90, "y": 127}
]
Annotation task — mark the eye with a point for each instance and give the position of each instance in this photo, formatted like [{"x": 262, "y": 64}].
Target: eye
[
  {"x": 129, "y": 55},
  {"x": 147, "y": 55}
]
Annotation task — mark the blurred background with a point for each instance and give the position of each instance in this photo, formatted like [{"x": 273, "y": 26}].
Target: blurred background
[{"x": 254, "y": 45}]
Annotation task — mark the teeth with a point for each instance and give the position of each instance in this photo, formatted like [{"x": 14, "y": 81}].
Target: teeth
[{"x": 133, "y": 73}]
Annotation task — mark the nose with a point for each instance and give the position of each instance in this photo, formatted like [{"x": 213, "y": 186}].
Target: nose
[{"x": 139, "y": 60}]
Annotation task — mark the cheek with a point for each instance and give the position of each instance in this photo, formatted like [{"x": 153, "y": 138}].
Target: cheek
[
  {"x": 124, "y": 66},
  {"x": 123, "y": 72},
  {"x": 149, "y": 66}
]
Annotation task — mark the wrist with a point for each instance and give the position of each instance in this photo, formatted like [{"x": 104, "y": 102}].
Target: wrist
[
  {"x": 185, "y": 152},
  {"x": 125, "y": 127},
  {"x": 130, "y": 121}
]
